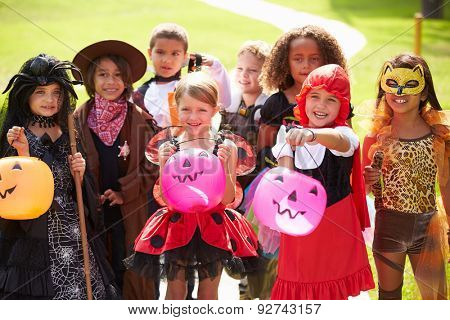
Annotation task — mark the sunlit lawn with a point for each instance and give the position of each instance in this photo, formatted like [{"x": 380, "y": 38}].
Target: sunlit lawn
[{"x": 61, "y": 28}]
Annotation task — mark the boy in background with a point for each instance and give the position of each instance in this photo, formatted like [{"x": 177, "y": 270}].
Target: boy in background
[
  {"x": 242, "y": 117},
  {"x": 168, "y": 53}
]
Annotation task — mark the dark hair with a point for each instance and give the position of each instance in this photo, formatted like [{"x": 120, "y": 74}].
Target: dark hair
[
  {"x": 41, "y": 70},
  {"x": 408, "y": 60},
  {"x": 125, "y": 74},
  {"x": 171, "y": 31},
  {"x": 276, "y": 74}
]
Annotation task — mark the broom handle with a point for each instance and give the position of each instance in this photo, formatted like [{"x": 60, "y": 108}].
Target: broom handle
[{"x": 84, "y": 241}]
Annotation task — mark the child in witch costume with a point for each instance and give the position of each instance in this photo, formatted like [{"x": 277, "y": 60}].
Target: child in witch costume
[
  {"x": 200, "y": 241},
  {"x": 331, "y": 262},
  {"x": 412, "y": 133},
  {"x": 114, "y": 133},
  {"x": 42, "y": 258},
  {"x": 168, "y": 51}
]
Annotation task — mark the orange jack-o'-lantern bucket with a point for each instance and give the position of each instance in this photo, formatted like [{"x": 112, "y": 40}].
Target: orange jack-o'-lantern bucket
[{"x": 26, "y": 188}]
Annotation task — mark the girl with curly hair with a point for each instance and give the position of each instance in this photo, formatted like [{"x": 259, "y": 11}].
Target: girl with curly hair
[{"x": 295, "y": 54}]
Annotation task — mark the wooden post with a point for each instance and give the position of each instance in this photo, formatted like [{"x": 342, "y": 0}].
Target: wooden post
[
  {"x": 84, "y": 241},
  {"x": 418, "y": 18}
]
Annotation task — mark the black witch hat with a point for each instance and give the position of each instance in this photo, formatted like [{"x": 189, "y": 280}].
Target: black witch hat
[{"x": 44, "y": 70}]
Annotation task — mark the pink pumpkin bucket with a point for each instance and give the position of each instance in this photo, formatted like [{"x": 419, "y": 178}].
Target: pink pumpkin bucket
[
  {"x": 193, "y": 180},
  {"x": 289, "y": 202}
]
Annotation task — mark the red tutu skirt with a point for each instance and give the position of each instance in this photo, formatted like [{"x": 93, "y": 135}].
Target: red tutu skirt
[
  {"x": 329, "y": 264},
  {"x": 171, "y": 241}
]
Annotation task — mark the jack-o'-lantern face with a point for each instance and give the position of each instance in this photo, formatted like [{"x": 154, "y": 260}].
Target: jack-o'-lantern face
[
  {"x": 26, "y": 188},
  {"x": 289, "y": 202},
  {"x": 193, "y": 180}
]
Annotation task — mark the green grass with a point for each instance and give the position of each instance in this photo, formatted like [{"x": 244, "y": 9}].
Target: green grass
[
  {"x": 410, "y": 290},
  {"x": 61, "y": 28},
  {"x": 389, "y": 29}
]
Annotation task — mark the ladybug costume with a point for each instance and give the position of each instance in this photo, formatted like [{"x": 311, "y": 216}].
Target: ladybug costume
[{"x": 172, "y": 242}]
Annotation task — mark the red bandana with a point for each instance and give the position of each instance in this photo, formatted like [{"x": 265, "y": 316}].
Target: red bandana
[{"x": 106, "y": 118}]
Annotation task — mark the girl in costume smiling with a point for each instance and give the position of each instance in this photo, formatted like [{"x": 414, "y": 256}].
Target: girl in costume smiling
[
  {"x": 202, "y": 241},
  {"x": 295, "y": 54},
  {"x": 42, "y": 258},
  {"x": 331, "y": 262},
  {"x": 114, "y": 133},
  {"x": 412, "y": 134}
]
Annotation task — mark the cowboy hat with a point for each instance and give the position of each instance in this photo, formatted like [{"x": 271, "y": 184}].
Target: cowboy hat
[{"x": 135, "y": 58}]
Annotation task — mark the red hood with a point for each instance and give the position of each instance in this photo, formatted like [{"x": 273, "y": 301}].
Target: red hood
[{"x": 333, "y": 79}]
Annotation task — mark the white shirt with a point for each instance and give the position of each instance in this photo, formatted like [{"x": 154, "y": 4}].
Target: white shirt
[
  {"x": 304, "y": 160},
  {"x": 156, "y": 97},
  {"x": 157, "y": 103}
]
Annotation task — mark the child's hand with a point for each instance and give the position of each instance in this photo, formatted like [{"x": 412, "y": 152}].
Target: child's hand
[
  {"x": 77, "y": 164},
  {"x": 371, "y": 175},
  {"x": 224, "y": 153},
  {"x": 165, "y": 152},
  {"x": 114, "y": 197},
  {"x": 17, "y": 139},
  {"x": 298, "y": 137},
  {"x": 207, "y": 61}
]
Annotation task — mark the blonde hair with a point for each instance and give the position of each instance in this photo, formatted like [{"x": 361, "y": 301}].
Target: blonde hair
[
  {"x": 171, "y": 31},
  {"x": 199, "y": 86},
  {"x": 260, "y": 49}
]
